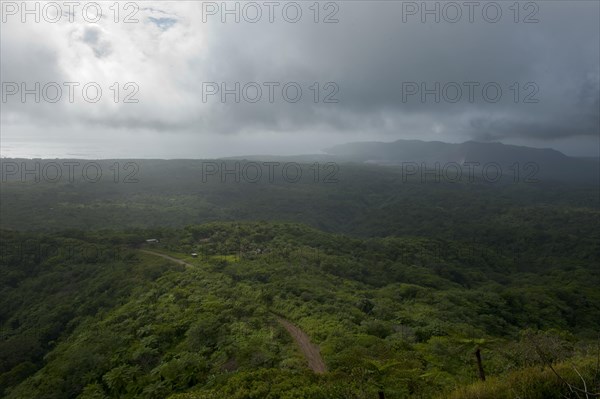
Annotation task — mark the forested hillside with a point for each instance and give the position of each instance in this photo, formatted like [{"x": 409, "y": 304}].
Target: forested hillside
[
  {"x": 388, "y": 283},
  {"x": 91, "y": 315}
]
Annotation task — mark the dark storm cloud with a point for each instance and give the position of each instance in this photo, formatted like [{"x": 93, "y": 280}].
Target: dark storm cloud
[{"x": 371, "y": 55}]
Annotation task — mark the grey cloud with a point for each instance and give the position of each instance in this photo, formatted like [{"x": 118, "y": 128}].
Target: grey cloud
[{"x": 369, "y": 54}]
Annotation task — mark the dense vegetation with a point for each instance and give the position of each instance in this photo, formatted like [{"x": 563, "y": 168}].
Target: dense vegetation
[
  {"x": 350, "y": 198},
  {"x": 397, "y": 282}
]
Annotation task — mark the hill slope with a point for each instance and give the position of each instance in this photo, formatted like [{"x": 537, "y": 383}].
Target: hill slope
[{"x": 391, "y": 314}]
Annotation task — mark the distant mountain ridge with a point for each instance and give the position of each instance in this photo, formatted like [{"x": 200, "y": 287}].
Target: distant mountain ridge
[
  {"x": 417, "y": 150},
  {"x": 544, "y": 164},
  {"x": 552, "y": 164}
]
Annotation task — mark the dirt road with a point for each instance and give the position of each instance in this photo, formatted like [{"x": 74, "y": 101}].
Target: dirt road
[
  {"x": 181, "y": 262},
  {"x": 308, "y": 349}
]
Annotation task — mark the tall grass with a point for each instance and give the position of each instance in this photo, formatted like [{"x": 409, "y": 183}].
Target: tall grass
[{"x": 537, "y": 383}]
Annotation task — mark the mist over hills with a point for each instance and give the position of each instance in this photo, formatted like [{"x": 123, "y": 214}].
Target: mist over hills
[
  {"x": 529, "y": 162},
  {"x": 437, "y": 151},
  {"x": 427, "y": 158}
]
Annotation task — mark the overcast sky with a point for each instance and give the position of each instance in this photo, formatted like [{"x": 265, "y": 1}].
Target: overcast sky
[{"x": 372, "y": 64}]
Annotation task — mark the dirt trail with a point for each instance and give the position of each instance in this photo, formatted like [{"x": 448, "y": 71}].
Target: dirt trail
[
  {"x": 181, "y": 262},
  {"x": 308, "y": 349}
]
